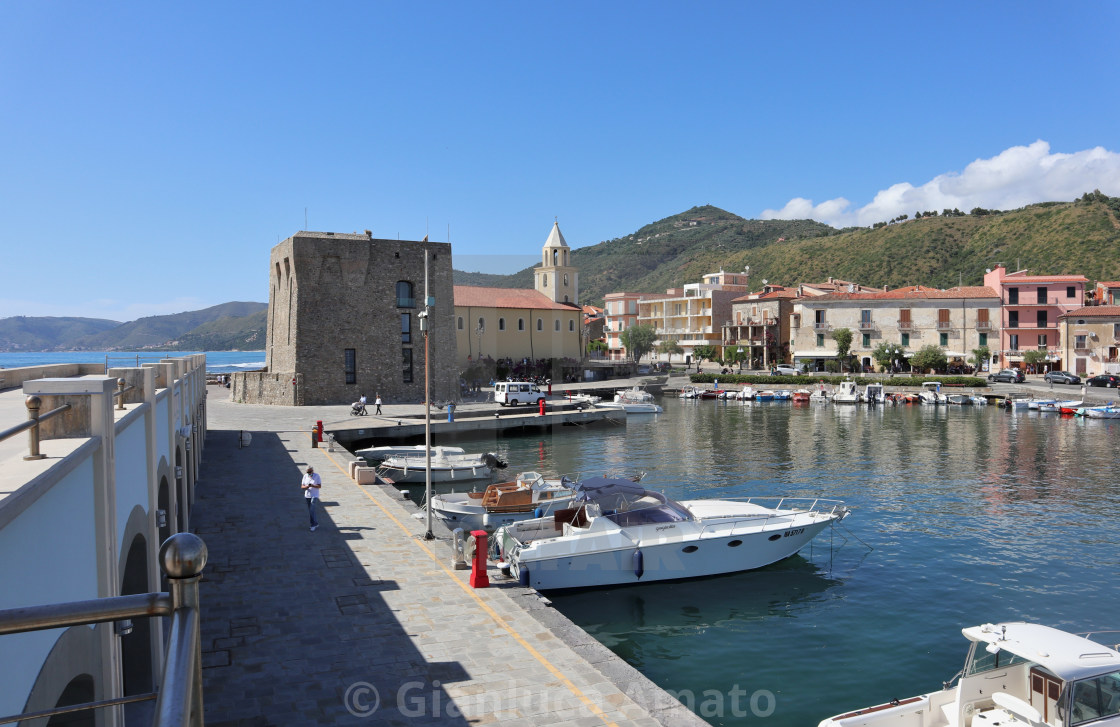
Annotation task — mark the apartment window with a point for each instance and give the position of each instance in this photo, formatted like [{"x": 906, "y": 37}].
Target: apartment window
[
  {"x": 1041, "y": 319},
  {"x": 1079, "y": 341},
  {"x": 944, "y": 339},
  {"x": 1042, "y": 341},
  {"x": 865, "y": 319},
  {"x": 982, "y": 318},
  {"x": 820, "y": 340},
  {"x": 406, "y": 328},
  {"x": 1012, "y": 319},
  {"x": 904, "y": 318},
  {"x": 501, "y": 324},
  {"x": 459, "y": 323},
  {"x": 406, "y": 370},
  {"x": 1116, "y": 331},
  {"x": 867, "y": 340},
  {"x": 1013, "y": 296},
  {"x": 905, "y": 339},
  {"x": 1071, "y": 291},
  {"x": 1013, "y": 342},
  {"x": 943, "y": 318},
  {"x": 404, "y": 295},
  {"x": 521, "y": 324},
  {"x": 351, "y": 365},
  {"x": 983, "y": 339},
  {"x": 540, "y": 324},
  {"x": 1042, "y": 295}
]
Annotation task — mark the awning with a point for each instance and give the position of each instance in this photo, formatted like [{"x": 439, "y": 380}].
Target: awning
[{"x": 813, "y": 354}]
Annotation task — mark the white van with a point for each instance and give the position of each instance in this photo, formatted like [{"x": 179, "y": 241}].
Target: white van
[{"x": 517, "y": 392}]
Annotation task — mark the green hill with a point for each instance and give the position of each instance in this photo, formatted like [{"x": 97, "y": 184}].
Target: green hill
[
  {"x": 937, "y": 250},
  {"x": 43, "y": 333},
  {"x": 228, "y": 333}
]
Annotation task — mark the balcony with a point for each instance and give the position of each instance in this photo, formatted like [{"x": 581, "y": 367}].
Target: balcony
[
  {"x": 866, "y": 325},
  {"x": 820, "y": 326},
  {"x": 944, "y": 325},
  {"x": 984, "y": 325},
  {"x": 905, "y": 324}
]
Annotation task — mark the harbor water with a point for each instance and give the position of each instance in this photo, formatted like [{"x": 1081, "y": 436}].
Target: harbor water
[
  {"x": 217, "y": 362},
  {"x": 961, "y": 515}
]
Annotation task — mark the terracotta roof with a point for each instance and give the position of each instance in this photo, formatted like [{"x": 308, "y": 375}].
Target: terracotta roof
[
  {"x": 772, "y": 295},
  {"x": 1019, "y": 278},
  {"x": 1094, "y": 311},
  {"x": 1112, "y": 284},
  {"x": 479, "y": 297},
  {"x": 915, "y": 292}
]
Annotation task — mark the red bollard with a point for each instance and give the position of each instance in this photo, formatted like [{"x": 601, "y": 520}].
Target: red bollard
[
  {"x": 542, "y": 407},
  {"x": 319, "y": 428},
  {"x": 479, "y": 579}
]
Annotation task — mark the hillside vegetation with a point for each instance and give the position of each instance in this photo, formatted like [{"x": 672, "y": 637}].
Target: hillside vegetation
[
  {"x": 935, "y": 249},
  {"x": 44, "y": 333}
]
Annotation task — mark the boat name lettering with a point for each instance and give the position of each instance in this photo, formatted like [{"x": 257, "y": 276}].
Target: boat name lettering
[
  {"x": 665, "y": 527},
  {"x": 790, "y": 533}
]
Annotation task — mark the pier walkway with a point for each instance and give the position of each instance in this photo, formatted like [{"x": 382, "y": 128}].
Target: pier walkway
[{"x": 363, "y": 621}]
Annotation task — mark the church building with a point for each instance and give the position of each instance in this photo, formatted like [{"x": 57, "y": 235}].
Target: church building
[{"x": 518, "y": 324}]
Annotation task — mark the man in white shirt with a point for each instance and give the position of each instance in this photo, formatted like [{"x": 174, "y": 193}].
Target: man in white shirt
[{"x": 311, "y": 485}]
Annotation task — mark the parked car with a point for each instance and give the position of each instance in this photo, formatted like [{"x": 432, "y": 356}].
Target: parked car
[
  {"x": 1008, "y": 376},
  {"x": 787, "y": 370},
  {"x": 1061, "y": 377},
  {"x": 1109, "y": 380}
]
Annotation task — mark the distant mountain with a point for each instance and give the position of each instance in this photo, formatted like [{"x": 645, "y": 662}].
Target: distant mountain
[
  {"x": 939, "y": 249},
  {"x": 24, "y": 333},
  {"x": 230, "y": 326}
]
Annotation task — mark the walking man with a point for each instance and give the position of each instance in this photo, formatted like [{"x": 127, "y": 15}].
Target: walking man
[
  {"x": 377, "y": 402},
  {"x": 311, "y": 485}
]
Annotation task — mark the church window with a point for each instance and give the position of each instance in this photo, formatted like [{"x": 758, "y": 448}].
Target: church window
[
  {"x": 556, "y": 325},
  {"x": 555, "y": 257},
  {"x": 544, "y": 281},
  {"x": 540, "y": 324},
  {"x": 571, "y": 326},
  {"x": 460, "y": 323},
  {"x": 565, "y": 280},
  {"x": 404, "y": 295},
  {"x": 481, "y": 324},
  {"x": 521, "y": 324},
  {"x": 501, "y": 324}
]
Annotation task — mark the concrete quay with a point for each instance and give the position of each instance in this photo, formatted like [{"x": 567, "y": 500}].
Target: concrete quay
[{"x": 364, "y": 621}]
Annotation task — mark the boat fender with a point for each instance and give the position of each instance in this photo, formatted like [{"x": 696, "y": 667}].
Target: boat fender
[
  {"x": 639, "y": 565},
  {"x": 523, "y": 576},
  {"x": 538, "y": 513}
]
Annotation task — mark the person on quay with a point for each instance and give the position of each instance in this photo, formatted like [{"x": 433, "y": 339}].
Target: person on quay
[
  {"x": 377, "y": 403},
  {"x": 311, "y": 485}
]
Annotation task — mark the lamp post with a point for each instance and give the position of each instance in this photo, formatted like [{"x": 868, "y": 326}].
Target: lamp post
[
  {"x": 740, "y": 357},
  {"x": 424, "y": 326}
]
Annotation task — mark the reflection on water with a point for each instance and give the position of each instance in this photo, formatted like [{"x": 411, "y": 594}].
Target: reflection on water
[{"x": 972, "y": 514}]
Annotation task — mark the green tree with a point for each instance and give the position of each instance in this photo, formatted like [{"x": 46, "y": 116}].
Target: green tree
[
  {"x": 638, "y": 340},
  {"x": 1034, "y": 358},
  {"x": 704, "y": 353},
  {"x": 735, "y": 355},
  {"x": 886, "y": 353},
  {"x": 668, "y": 348},
  {"x": 980, "y": 356},
  {"x": 597, "y": 346},
  {"x": 929, "y": 357},
  {"x": 843, "y": 338}
]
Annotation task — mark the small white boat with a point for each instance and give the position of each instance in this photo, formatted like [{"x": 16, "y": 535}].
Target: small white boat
[
  {"x": 847, "y": 393},
  {"x": 528, "y": 495},
  {"x": 931, "y": 393},
  {"x": 637, "y": 407},
  {"x": 978, "y": 400},
  {"x": 689, "y": 392},
  {"x": 634, "y": 395},
  {"x": 1017, "y": 402},
  {"x": 445, "y": 467},
  {"x": 874, "y": 394},
  {"x": 622, "y": 533},
  {"x": 583, "y": 400},
  {"x": 746, "y": 393},
  {"x": 820, "y": 395},
  {"x": 380, "y": 454},
  {"x": 1016, "y": 674},
  {"x": 1109, "y": 411},
  {"x": 1035, "y": 404},
  {"x": 960, "y": 399}
]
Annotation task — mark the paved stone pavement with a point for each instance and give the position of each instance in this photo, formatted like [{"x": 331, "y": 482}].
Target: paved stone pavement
[{"x": 363, "y": 621}]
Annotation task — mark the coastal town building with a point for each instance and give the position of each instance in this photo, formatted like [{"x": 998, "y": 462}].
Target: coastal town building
[
  {"x": 1032, "y": 305},
  {"x": 1106, "y": 293},
  {"x": 759, "y": 326},
  {"x": 1090, "y": 340},
  {"x": 344, "y": 320},
  {"x": 958, "y": 321},
  {"x": 519, "y": 324},
  {"x": 693, "y": 316},
  {"x": 620, "y": 313}
]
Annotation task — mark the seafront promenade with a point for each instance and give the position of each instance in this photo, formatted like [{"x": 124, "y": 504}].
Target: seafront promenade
[{"x": 363, "y": 621}]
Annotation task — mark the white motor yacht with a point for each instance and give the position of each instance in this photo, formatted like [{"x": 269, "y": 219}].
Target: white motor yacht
[
  {"x": 931, "y": 393},
  {"x": 1016, "y": 674},
  {"x": 621, "y": 533},
  {"x": 847, "y": 393}
]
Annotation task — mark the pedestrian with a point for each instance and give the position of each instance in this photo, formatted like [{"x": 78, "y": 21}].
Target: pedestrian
[
  {"x": 311, "y": 485},
  {"x": 377, "y": 403}
]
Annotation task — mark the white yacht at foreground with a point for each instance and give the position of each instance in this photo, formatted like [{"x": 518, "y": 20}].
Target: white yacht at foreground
[
  {"x": 619, "y": 533},
  {"x": 1016, "y": 674}
]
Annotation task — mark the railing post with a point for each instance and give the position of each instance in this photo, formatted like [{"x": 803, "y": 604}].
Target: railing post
[
  {"x": 120, "y": 394},
  {"x": 33, "y": 404},
  {"x": 182, "y": 558}
]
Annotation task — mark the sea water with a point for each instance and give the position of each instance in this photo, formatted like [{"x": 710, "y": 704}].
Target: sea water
[
  {"x": 219, "y": 362},
  {"x": 961, "y": 516}
]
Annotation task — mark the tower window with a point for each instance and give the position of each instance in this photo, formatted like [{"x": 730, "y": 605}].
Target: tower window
[
  {"x": 404, "y": 295},
  {"x": 350, "y": 365}
]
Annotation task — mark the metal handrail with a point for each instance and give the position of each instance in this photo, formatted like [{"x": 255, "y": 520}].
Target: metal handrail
[
  {"x": 179, "y": 701},
  {"x": 32, "y": 424}
]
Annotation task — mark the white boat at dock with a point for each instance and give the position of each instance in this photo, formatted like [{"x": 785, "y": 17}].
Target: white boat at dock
[
  {"x": 847, "y": 393},
  {"x": 874, "y": 394},
  {"x": 528, "y": 495},
  {"x": 622, "y": 533},
  {"x": 380, "y": 454},
  {"x": 931, "y": 393},
  {"x": 446, "y": 467},
  {"x": 1016, "y": 674}
]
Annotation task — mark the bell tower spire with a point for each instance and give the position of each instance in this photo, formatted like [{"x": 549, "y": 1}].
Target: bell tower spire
[{"x": 556, "y": 278}]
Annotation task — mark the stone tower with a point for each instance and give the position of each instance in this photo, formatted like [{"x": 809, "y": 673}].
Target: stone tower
[{"x": 556, "y": 278}]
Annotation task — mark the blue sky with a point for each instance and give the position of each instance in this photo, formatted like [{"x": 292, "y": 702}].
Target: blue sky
[{"x": 142, "y": 141}]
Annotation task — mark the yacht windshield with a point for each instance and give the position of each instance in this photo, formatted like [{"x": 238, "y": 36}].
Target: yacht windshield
[
  {"x": 645, "y": 512},
  {"x": 982, "y": 660}
]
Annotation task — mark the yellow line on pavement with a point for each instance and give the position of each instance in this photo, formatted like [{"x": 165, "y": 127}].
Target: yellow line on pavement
[{"x": 485, "y": 606}]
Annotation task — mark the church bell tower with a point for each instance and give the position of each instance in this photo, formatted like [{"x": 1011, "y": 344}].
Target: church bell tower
[{"x": 556, "y": 278}]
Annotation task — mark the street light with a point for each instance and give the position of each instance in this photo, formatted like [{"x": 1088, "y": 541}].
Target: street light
[{"x": 740, "y": 357}]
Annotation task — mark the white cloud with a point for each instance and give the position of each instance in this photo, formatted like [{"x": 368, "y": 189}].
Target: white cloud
[{"x": 1016, "y": 177}]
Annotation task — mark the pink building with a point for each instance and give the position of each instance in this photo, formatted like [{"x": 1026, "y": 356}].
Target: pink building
[
  {"x": 620, "y": 311},
  {"x": 1030, "y": 307}
]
